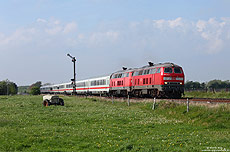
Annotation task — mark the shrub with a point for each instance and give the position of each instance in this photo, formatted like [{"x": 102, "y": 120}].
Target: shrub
[{"x": 35, "y": 91}]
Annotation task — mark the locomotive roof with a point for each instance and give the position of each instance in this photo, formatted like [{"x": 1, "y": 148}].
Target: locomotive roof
[{"x": 166, "y": 64}]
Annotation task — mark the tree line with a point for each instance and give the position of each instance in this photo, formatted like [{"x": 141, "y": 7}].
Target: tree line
[
  {"x": 10, "y": 88},
  {"x": 212, "y": 85}
]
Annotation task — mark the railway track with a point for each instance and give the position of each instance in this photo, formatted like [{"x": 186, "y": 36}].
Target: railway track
[
  {"x": 210, "y": 100},
  {"x": 196, "y": 100}
]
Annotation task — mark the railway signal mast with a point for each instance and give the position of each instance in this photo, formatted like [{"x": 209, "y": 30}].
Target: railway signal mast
[{"x": 74, "y": 74}]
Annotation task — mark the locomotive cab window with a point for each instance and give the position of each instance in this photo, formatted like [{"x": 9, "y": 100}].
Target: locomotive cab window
[
  {"x": 177, "y": 70},
  {"x": 168, "y": 70}
]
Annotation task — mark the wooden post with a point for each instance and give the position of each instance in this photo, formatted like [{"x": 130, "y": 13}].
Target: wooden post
[
  {"x": 112, "y": 100},
  {"x": 187, "y": 105},
  {"x": 154, "y": 103},
  {"x": 128, "y": 101}
]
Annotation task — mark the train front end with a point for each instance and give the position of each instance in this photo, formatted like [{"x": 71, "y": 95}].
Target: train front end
[{"x": 172, "y": 81}]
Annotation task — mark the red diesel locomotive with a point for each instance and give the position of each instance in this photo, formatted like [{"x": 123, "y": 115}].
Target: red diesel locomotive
[{"x": 154, "y": 80}]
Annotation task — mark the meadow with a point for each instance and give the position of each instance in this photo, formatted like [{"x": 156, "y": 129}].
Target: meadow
[{"x": 92, "y": 124}]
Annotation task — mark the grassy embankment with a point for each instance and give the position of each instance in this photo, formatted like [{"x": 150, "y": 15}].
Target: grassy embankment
[
  {"x": 200, "y": 94},
  {"x": 96, "y": 125}
]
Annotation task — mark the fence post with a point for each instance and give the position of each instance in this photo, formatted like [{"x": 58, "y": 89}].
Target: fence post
[
  {"x": 154, "y": 103},
  {"x": 128, "y": 101},
  {"x": 187, "y": 105}
]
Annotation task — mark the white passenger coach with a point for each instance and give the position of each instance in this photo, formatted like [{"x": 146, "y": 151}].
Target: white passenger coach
[{"x": 98, "y": 85}]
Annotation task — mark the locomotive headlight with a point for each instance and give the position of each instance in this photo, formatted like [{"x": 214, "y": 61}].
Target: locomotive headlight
[
  {"x": 166, "y": 82},
  {"x": 167, "y": 78},
  {"x": 180, "y": 82},
  {"x": 180, "y": 78}
]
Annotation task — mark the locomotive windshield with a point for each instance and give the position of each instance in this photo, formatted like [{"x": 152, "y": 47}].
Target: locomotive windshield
[
  {"x": 177, "y": 70},
  {"x": 168, "y": 70}
]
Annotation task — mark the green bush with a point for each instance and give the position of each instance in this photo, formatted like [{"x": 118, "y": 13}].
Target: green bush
[{"x": 35, "y": 91}]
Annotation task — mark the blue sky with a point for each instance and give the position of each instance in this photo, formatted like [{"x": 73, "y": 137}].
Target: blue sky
[{"x": 105, "y": 35}]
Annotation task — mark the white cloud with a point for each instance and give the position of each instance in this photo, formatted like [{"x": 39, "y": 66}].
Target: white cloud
[
  {"x": 159, "y": 23},
  {"x": 54, "y": 30},
  {"x": 215, "y": 33},
  {"x": 201, "y": 25},
  {"x": 41, "y": 20},
  {"x": 103, "y": 38},
  {"x": 176, "y": 23},
  {"x": 70, "y": 27}
]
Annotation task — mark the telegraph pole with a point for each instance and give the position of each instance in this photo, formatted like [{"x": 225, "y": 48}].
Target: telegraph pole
[{"x": 74, "y": 73}]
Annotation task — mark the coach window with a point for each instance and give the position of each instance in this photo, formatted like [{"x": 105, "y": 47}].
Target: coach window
[
  {"x": 158, "y": 70},
  {"x": 127, "y": 75}
]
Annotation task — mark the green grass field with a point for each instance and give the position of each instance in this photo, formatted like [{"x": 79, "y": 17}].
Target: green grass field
[{"x": 98, "y": 125}]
